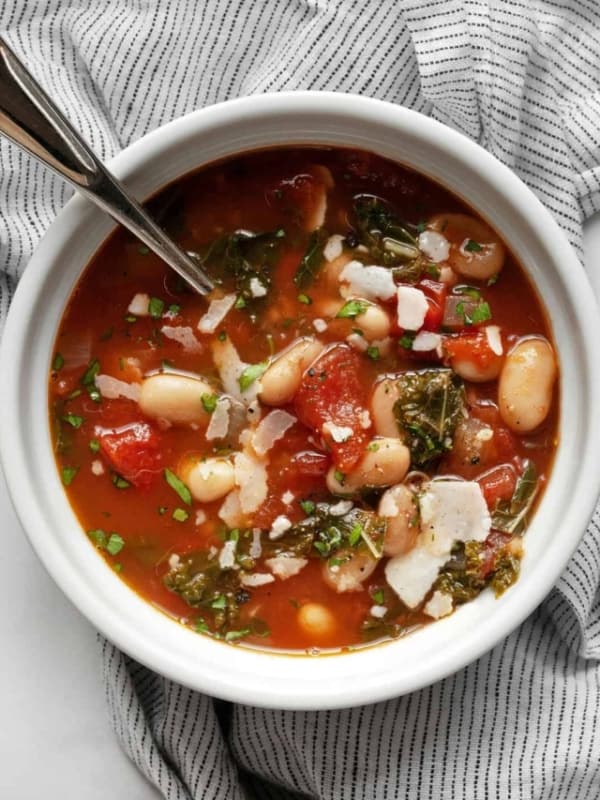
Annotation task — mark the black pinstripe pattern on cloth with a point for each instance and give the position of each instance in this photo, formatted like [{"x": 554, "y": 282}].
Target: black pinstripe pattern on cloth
[{"x": 523, "y": 79}]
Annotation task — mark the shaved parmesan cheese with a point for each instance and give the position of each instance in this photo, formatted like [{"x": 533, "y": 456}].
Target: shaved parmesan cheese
[
  {"x": 316, "y": 217},
  {"x": 256, "y": 579},
  {"x": 286, "y": 566},
  {"x": 231, "y": 510},
  {"x": 434, "y": 245},
  {"x": 270, "y": 429},
  {"x": 227, "y": 555},
  {"x": 378, "y": 611},
  {"x": 97, "y": 467},
  {"x": 287, "y": 498},
  {"x": 257, "y": 288},
  {"x": 334, "y": 247},
  {"x": 319, "y": 325},
  {"x": 231, "y": 366},
  {"x": 341, "y": 508},
  {"x": 439, "y": 605},
  {"x": 412, "y": 308},
  {"x": 111, "y": 388},
  {"x": 139, "y": 305},
  {"x": 450, "y": 511},
  {"x": 358, "y": 342},
  {"x": 494, "y": 339},
  {"x": 219, "y": 420},
  {"x": 173, "y": 561},
  {"x": 364, "y": 419},
  {"x": 200, "y": 517},
  {"x": 339, "y": 433},
  {"x": 425, "y": 341},
  {"x": 372, "y": 282},
  {"x": 411, "y": 575},
  {"x": 184, "y": 335},
  {"x": 453, "y": 511},
  {"x": 251, "y": 477},
  {"x": 216, "y": 313},
  {"x": 255, "y": 550},
  {"x": 280, "y": 525}
]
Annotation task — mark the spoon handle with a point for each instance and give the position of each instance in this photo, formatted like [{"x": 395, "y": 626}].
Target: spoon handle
[{"x": 29, "y": 118}]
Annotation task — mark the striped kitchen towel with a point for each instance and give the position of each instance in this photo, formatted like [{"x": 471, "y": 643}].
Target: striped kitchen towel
[{"x": 523, "y": 79}]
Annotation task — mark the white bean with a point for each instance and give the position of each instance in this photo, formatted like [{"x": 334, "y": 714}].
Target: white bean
[
  {"x": 349, "y": 575},
  {"x": 397, "y": 505},
  {"x": 472, "y": 370},
  {"x": 525, "y": 385},
  {"x": 374, "y": 323},
  {"x": 385, "y": 462},
  {"x": 282, "y": 379},
  {"x": 316, "y": 619},
  {"x": 384, "y": 396},
  {"x": 176, "y": 398},
  {"x": 475, "y": 249},
  {"x": 208, "y": 480}
]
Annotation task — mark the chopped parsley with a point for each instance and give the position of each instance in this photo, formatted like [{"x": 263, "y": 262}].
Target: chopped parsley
[
  {"x": 120, "y": 482},
  {"x": 480, "y": 313},
  {"x": 472, "y": 246},
  {"x": 88, "y": 380},
  {"x": 111, "y": 542},
  {"x": 240, "y": 302},
  {"x": 58, "y": 362},
  {"x": 373, "y": 353},
  {"x": 351, "y": 309},
  {"x": 156, "y": 306},
  {"x": 94, "y": 445},
  {"x": 378, "y": 596},
  {"x": 304, "y": 298},
  {"x": 67, "y": 474},
  {"x": 178, "y": 486},
  {"x": 74, "y": 420},
  {"x": 180, "y": 515},
  {"x": 251, "y": 374},
  {"x": 209, "y": 402},
  {"x": 308, "y": 507},
  {"x": 114, "y": 544},
  {"x": 406, "y": 340}
]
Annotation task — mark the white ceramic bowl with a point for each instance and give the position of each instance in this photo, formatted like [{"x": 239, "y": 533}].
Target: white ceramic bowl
[{"x": 267, "y": 678}]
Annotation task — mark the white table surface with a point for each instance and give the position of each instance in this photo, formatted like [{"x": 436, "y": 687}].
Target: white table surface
[{"x": 55, "y": 739}]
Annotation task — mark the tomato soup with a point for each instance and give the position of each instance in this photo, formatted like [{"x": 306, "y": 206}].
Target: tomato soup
[{"x": 346, "y": 440}]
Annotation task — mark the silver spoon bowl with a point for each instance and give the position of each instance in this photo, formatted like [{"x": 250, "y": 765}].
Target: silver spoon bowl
[{"x": 30, "y": 119}]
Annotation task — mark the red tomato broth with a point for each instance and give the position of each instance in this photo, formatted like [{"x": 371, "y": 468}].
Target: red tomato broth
[{"x": 217, "y": 199}]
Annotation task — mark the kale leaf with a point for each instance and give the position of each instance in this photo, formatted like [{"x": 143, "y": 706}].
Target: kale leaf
[
  {"x": 388, "y": 241},
  {"x": 312, "y": 260},
  {"x": 326, "y": 533},
  {"x": 199, "y": 580},
  {"x": 241, "y": 256},
  {"x": 431, "y": 403},
  {"x": 464, "y": 576},
  {"x": 511, "y": 515}
]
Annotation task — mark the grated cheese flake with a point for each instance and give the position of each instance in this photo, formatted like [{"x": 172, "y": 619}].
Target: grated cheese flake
[{"x": 216, "y": 313}]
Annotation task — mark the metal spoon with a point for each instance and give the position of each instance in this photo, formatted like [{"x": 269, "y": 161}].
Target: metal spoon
[{"x": 29, "y": 118}]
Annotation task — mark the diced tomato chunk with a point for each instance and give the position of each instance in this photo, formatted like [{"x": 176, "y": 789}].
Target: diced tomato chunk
[
  {"x": 473, "y": 347},
  {"x": 494, "y": 544},
  {"x": 497, "y": 484},
  {"x": 133, "y": 451},
  {"x": 435, "y": 292},
  {"x": 332, "y": 392}
]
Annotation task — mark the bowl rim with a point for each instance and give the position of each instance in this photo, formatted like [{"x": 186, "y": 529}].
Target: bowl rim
[{"x": 229, "y": 677}]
